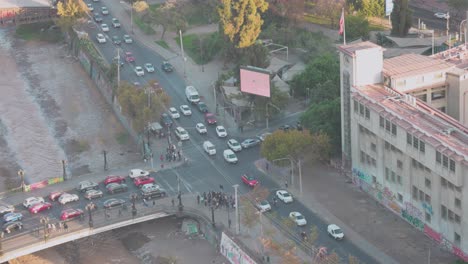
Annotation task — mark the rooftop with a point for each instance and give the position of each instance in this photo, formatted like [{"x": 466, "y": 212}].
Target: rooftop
[
  {"x": 24, "y": 3},
  {"x": 457, "y": 56},
  {"x": 352, "y": 48},
  {"x": 434, "y": 127},
  {"x": 413, "y": 64}
]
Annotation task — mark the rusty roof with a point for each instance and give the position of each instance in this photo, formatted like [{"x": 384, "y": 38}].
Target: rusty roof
[{"x": 413, "y": 64}]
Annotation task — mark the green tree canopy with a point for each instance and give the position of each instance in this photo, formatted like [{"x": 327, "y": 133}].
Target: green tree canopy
[
  {"x": 241, "y": 20},
  {"x": 68, "y": 13},
  {"x": 357, "y": 27},
  {"x": 168, "y": 16},
  {"x": 401, "y": 18},
  {"x": 284, "y": 144}
]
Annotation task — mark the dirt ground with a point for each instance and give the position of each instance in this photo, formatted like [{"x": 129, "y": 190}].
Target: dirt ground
[
  {"x": 147, "y": 243},
  {"x": 49, "y": 111}
]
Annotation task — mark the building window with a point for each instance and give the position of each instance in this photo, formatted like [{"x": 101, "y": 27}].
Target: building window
[
  {"x": 367, "y": 113},
  {"x": 457, "y": 219},
  {"x": 387, "y": 125},
  {"x": 394, "y": 129},
  {"x": 356, "y": 106},
  {"x": 443, "y": 212},
  {"x": 400, "y": 198},
  {"x": 452, "y": 165},
  {"x": 399, "y": 164},
  {"x": 387, "y": 173},
  {"x": 422, "y": 97},
  {"x": 363, "y": 157},
  {"x": 451, "y": 215},
  {"x": 451, "y": 186},
  {"x": 361, "y": 109},
  {"x": 422, "y": 146},
  {"x": 443, "y": 182},
  {"x": 415, "y": 192},
  {"x": 445, "y": 161},
  {"x": 393, "y": 176},
  {"x": 373, "y": 147},
  {"x": 374, "y": 179},
  {"x": 415, "y": 163},
  {"x": 381, "y": 122},
  {"x": 442, "y": 109},
  {"x": 457, "y": 238},
  {"x": 428, "y": 183},
  {"x": 416, "y": 143},
  {"x": 399, "y": 179},
  {"x": 457, "y": 203},
  {"x": 438, "y": 157},
  {"x": 427, "y": 199},
  {"x": 438, "y": 95},
  {"x": 428, "y": 217},
  {"x": 409, "y": 138}
]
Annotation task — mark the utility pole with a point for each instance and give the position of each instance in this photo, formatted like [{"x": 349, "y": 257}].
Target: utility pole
[
  {"x": 267, "y": 115},
  {"x": 21, "y": 174},
  {"x": 237, "y": 209},
  {"x": 182, "y": 49},
  {"x": 118, "y": 68},
  {"x": 105, "y": 159},
  {"x": 448, "y": 21},
  {"x": 300, "y": 176},
  {"x": 64, "y": 171},
  {"x": 131, "y": 15}
]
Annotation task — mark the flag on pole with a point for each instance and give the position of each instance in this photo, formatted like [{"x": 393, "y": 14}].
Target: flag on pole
[{"x": 342, "y": 23}]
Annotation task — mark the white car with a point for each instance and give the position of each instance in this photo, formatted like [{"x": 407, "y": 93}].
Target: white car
[
  {"x": 284, "y": 196},
  {"x": 139, "y": 71},
  {"x": 230, "y": 156},
  {"x": 100, "y": 38},
  {"x": 263, "y": 136},
  {"x": 221, "y": 132},
  {"x": 149, "y": 67},
  {"x": 442, "y": 15},
  {"x": 201, "y": 128},
  {"x": 150, "y": 187},
  {"x": 104, "y": 10},
  {"x": 298, "y": 218},
  {"x": 90, "y": 7},
  {"x": 181, "y": 133},
  {"x": 185, "y": 109},
  {"x": 137, "y": 173},
  {"x": 174, "y": 113},
  {"x": 209, "y": 148},
  {"x": 30, "y": 201},
  {"x": 335, "y": 232},
  {"x": 115, "y": 22},
  {"x": 105, "y": 27},
  {"x": 263, "y": 206},
  {"x": 128, "y": 39},
  {"x": 67, "y": 198},
  {"x": 234, "y": 145}
]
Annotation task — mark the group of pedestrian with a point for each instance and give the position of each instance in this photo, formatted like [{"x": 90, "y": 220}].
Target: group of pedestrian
[
  {"x": 172, "y": 154},
  {"x": 216, "y": 199},
  {"x": 60, "y": 226}
]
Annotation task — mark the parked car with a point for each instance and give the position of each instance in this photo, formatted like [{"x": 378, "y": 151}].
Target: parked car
[
  {"x": 234, "y": 145},
  {"x": 6, "y": 208},
  {"x": 139, "y": 71},
  {"x": 263, "y": 136},
  {"x": 53, "y": 196},
  {"x": 181, "y": 133},
  {"x": 104, "y": 10},
  {"x": 230, "y": 156},
  {"x": 68, "y": 198},
  {"x": 115, "y": 23},
  {"x": 92, "y": 194},
  {"x": 114, "y": 178},
  {"x": 210, "y": 118},
  {"x": 128, "y": 39},
  {"x": 116, "y": 40},
  {"x": 87, "y": 185},
  {"x": 30, "y": 201},
  {"x": 442, "y": 15},
  {"x": 185, "y": 109},
  {"x": 249, "y": 180},
  {"x": 335, "y": 232},
  {"x": 174, "y": 113},
  {"x": 114, "y": 202},
  {"x": 150, "y": 194},
  {"x": 263, "y": 206},
  {"x": 129, "y": 56},
  {"x": 209, "y": 148},
  {"x": 90, "y": 7},
  {"x": 70, "y": 214},
  {"x": 201, "y": 128},
  {"x": 284, "y": 196},
  {"x": 116, "y": 187},
  {"x": 284, "y": 128},
  {"x": 202, "y": 107},
  {"x": 105, "y": 27},
  {"x": 100, "y": 38},
  {"x": 166, "y": 120},
  {"x": 221, "y": 132},
  {"x": 149, "y": 67},
  {"x": 40, "y": 207},
  {"x": 97, "y": 18},
  {"x": 139, "y": 181},
  {"x": 150, "y": 187},
  {"x": 298, "y": 218},
  {"x": 138, "y": 173},
  {"x": 11, "y": 226},
  {"x": 250, "y": 142},
  {"x": 167, "y": 67},
  {"x": 10, "y": 217}
]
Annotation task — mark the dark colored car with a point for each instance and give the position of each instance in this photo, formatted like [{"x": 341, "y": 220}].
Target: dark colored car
[
  {"x": 158, "y": 193},
  {"x": 97, "y": 17},
  {"x": 53, "y": 196},
  {"x": 116, "y": 188},
  {"x": 114, "y": 179},
  {"x": 210, "y": 118},
  {"x": 249, "y": 180},
  {"x": 116, "y": 40},
  {"x": 70, "y": 214},
  {"x": 285, "y": 128},
  {"x": 202, "y": 107},
  {"x": 166, "y": 120},
  {"x": 112, "y": 203},
  {"x": 11, "y": 226},
  {"x": 6, "y": 208},
  {"x": 167, "y": 67}
]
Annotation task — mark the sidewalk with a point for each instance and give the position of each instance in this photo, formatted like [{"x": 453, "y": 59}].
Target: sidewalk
[{"x": 374, "y": 229}]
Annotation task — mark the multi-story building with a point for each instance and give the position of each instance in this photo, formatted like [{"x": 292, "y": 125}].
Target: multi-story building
[{"x": 407, "y": 154}]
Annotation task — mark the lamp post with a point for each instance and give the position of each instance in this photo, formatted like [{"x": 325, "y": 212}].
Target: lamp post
[
  {"x": 464, "y": 33},
  {"x": 64, "y": 170},
  {"x": 183, "y": 55},
  {"x": 134, "y": 210},
  {"x": 212, "y": 213},
  {"x": 237, "y": 209},
  {"x": 21, "y": 174},
  {"x": 89, "y": 207},
  {"x": 105, "y": 160},
  {"x": 131, "y": 16}
]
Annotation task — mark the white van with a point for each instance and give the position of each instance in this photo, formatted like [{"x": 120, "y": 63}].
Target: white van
[
  {"x": 192, "y": 95},
  {"x": 209, "y": 148}
]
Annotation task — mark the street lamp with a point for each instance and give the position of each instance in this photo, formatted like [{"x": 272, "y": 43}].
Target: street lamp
[
  {"x": 464, "y": 33},
  {"x": 21, "y": 174},
  {"x": 134, "y": 210},
  {"x": 90, "y": 206},
  {"x": 64, "y": 170},
  {"x": 237, "y": 209},
  {"x": 131, "y": 16}
]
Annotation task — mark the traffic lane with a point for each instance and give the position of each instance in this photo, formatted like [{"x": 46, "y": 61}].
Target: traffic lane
[{"x": 429, "y": 19}]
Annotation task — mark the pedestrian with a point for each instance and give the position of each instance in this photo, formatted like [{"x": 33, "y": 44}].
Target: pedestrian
[
  {"x": 161, "y": 157},
  {"x": 229, "y": 223},
  {"x": 267, "y": 166},
  {"x": 198, "y": 199},
  {"x": 120, "y": 212},
  {"x": 154, "y": 203},
  {"x": 178, "y": 154},
  {"x": 206, "y": 203},
  {"x": 65, "y": 226},
  {"x": 286, "y": 183},
  {"x": 172, "y": 201}
]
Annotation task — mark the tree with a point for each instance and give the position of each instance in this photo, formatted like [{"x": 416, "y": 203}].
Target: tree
[
  {"x": 249, "y": 212},
  {"x": 256, "y": 55},
  {"x": 357, "y": 27},
  {"x": 321, "y": 148},
  {"x": 68, "y": 13},
  {"x": 372, "y": 8},
  {"x": 283, "y": 144},
  {"x": 140, "y": 6},
  {"x": 168, "y": 17},
  {"x": 241, "y": 21},
  {"x": 459, "y": 7},
  {"x": 330, "y": 9},
  {"x": 291, "y": 10},
  {"x": 401, "y": 18}
]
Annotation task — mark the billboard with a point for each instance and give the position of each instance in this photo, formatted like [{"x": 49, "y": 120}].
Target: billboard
[{"x": 255, "y": 80}]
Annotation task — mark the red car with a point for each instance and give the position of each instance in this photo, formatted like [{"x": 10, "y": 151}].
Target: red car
[
  {"x": 70, "y": 213},
  {"x": 249, "y": 180},
  {"x": 139, "y": 181},
  {"x": 112, "y": 179},
  {"x": 210, "y": 118},
  {"x": 53, "y": 196},
  {"x": 129, "y": 57},
  {"x": 39, "y": 207}
]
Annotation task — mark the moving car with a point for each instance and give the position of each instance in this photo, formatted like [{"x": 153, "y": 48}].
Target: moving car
[
  {"x": 221, "y": 132},
  {"x": 202, "y": 107},
  {"x": 127, "y": 39},
  {"x": 174, "y": 113},
  {"x": 91, "y": 194},
  {"x": 150, "y": 187},
  {"x": 201, "y": 128},
  {"x": 116, "y": 40},
  {"x": 116, "y": 187},
  {"x": 30, "y": 201},
  {"x": 250, "y": 142},
  {"x": 40, "y": 207},
  {"x": 167, "y": 67},
  {"x": 230, "y": 156},
  {"x": 181, "y": 133},
  {"x": 185, "y": 109},
  {"x": 100, "y": 38},
  {"x": 90, "y": 7},
  {"x": 115, "y": 22},
  {"x": 210, "y": 118},
  {"x": 249, "y": 180},
  {"x": 70, "y": 214},
  {"x": 105, "y": 27},
  {"x": 191, "y": 93},
  {"x": 11, "y": 226},
  {"x": 149, "y": 67},
  {"x": 129, "y": 56},
  {"x": 139, "y": 71},
  {"x": 104, "y": 10},
  {"x": 442, "y": 15},
  {"x": 139, "y": 181},
  {"x": 114, "y": 178},
  {"x": 284, "y": 128},
  {"x": 166, "y": 120},
  {"x": 97, "y": 17},
  {"x": 10, "y": 217},
  {"x": 209, "y": 148},
  {"x": 68, "y": 198},
  {"x": 284, "y": 196},
  {"x": 53, "y": 196},
  {"x": 87, "y": 185},
  {"x": 114, "y": 202},
  {"x": 335, "y": 232},
  {"x": 263, "y": 206},
  {"x": 234, "y": 145},
  {"x": 6, "y": 208},
  {"x": 298, "y": 218},
  {"x": 263, "y": 136},
  {"x": 155, "y": 193}
]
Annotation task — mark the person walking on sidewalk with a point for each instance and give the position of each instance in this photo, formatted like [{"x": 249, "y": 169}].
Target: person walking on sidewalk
[
  {"x": 286, "y": 184},
  {"x": 198, "y": 199}
]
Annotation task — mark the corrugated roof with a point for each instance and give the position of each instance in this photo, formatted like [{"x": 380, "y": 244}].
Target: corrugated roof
[
  {"x": 413, "y": 64},
  {"x": 24, "y": 3}
]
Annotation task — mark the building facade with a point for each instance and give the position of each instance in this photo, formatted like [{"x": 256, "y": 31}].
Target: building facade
[{"x": 405, "y": 153}]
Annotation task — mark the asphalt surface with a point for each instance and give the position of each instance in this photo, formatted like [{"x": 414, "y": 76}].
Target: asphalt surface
[{"x": 203, "y": 173}]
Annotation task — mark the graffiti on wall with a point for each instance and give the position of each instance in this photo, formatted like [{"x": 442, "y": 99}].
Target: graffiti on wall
[
  {"x": 412, "y": 210},
  {"x": 428, "y": 208},
  {"x": 363, "y": 176},
  {"x": 416, "y": 222},
  {"x": 233, "y": 252}
]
